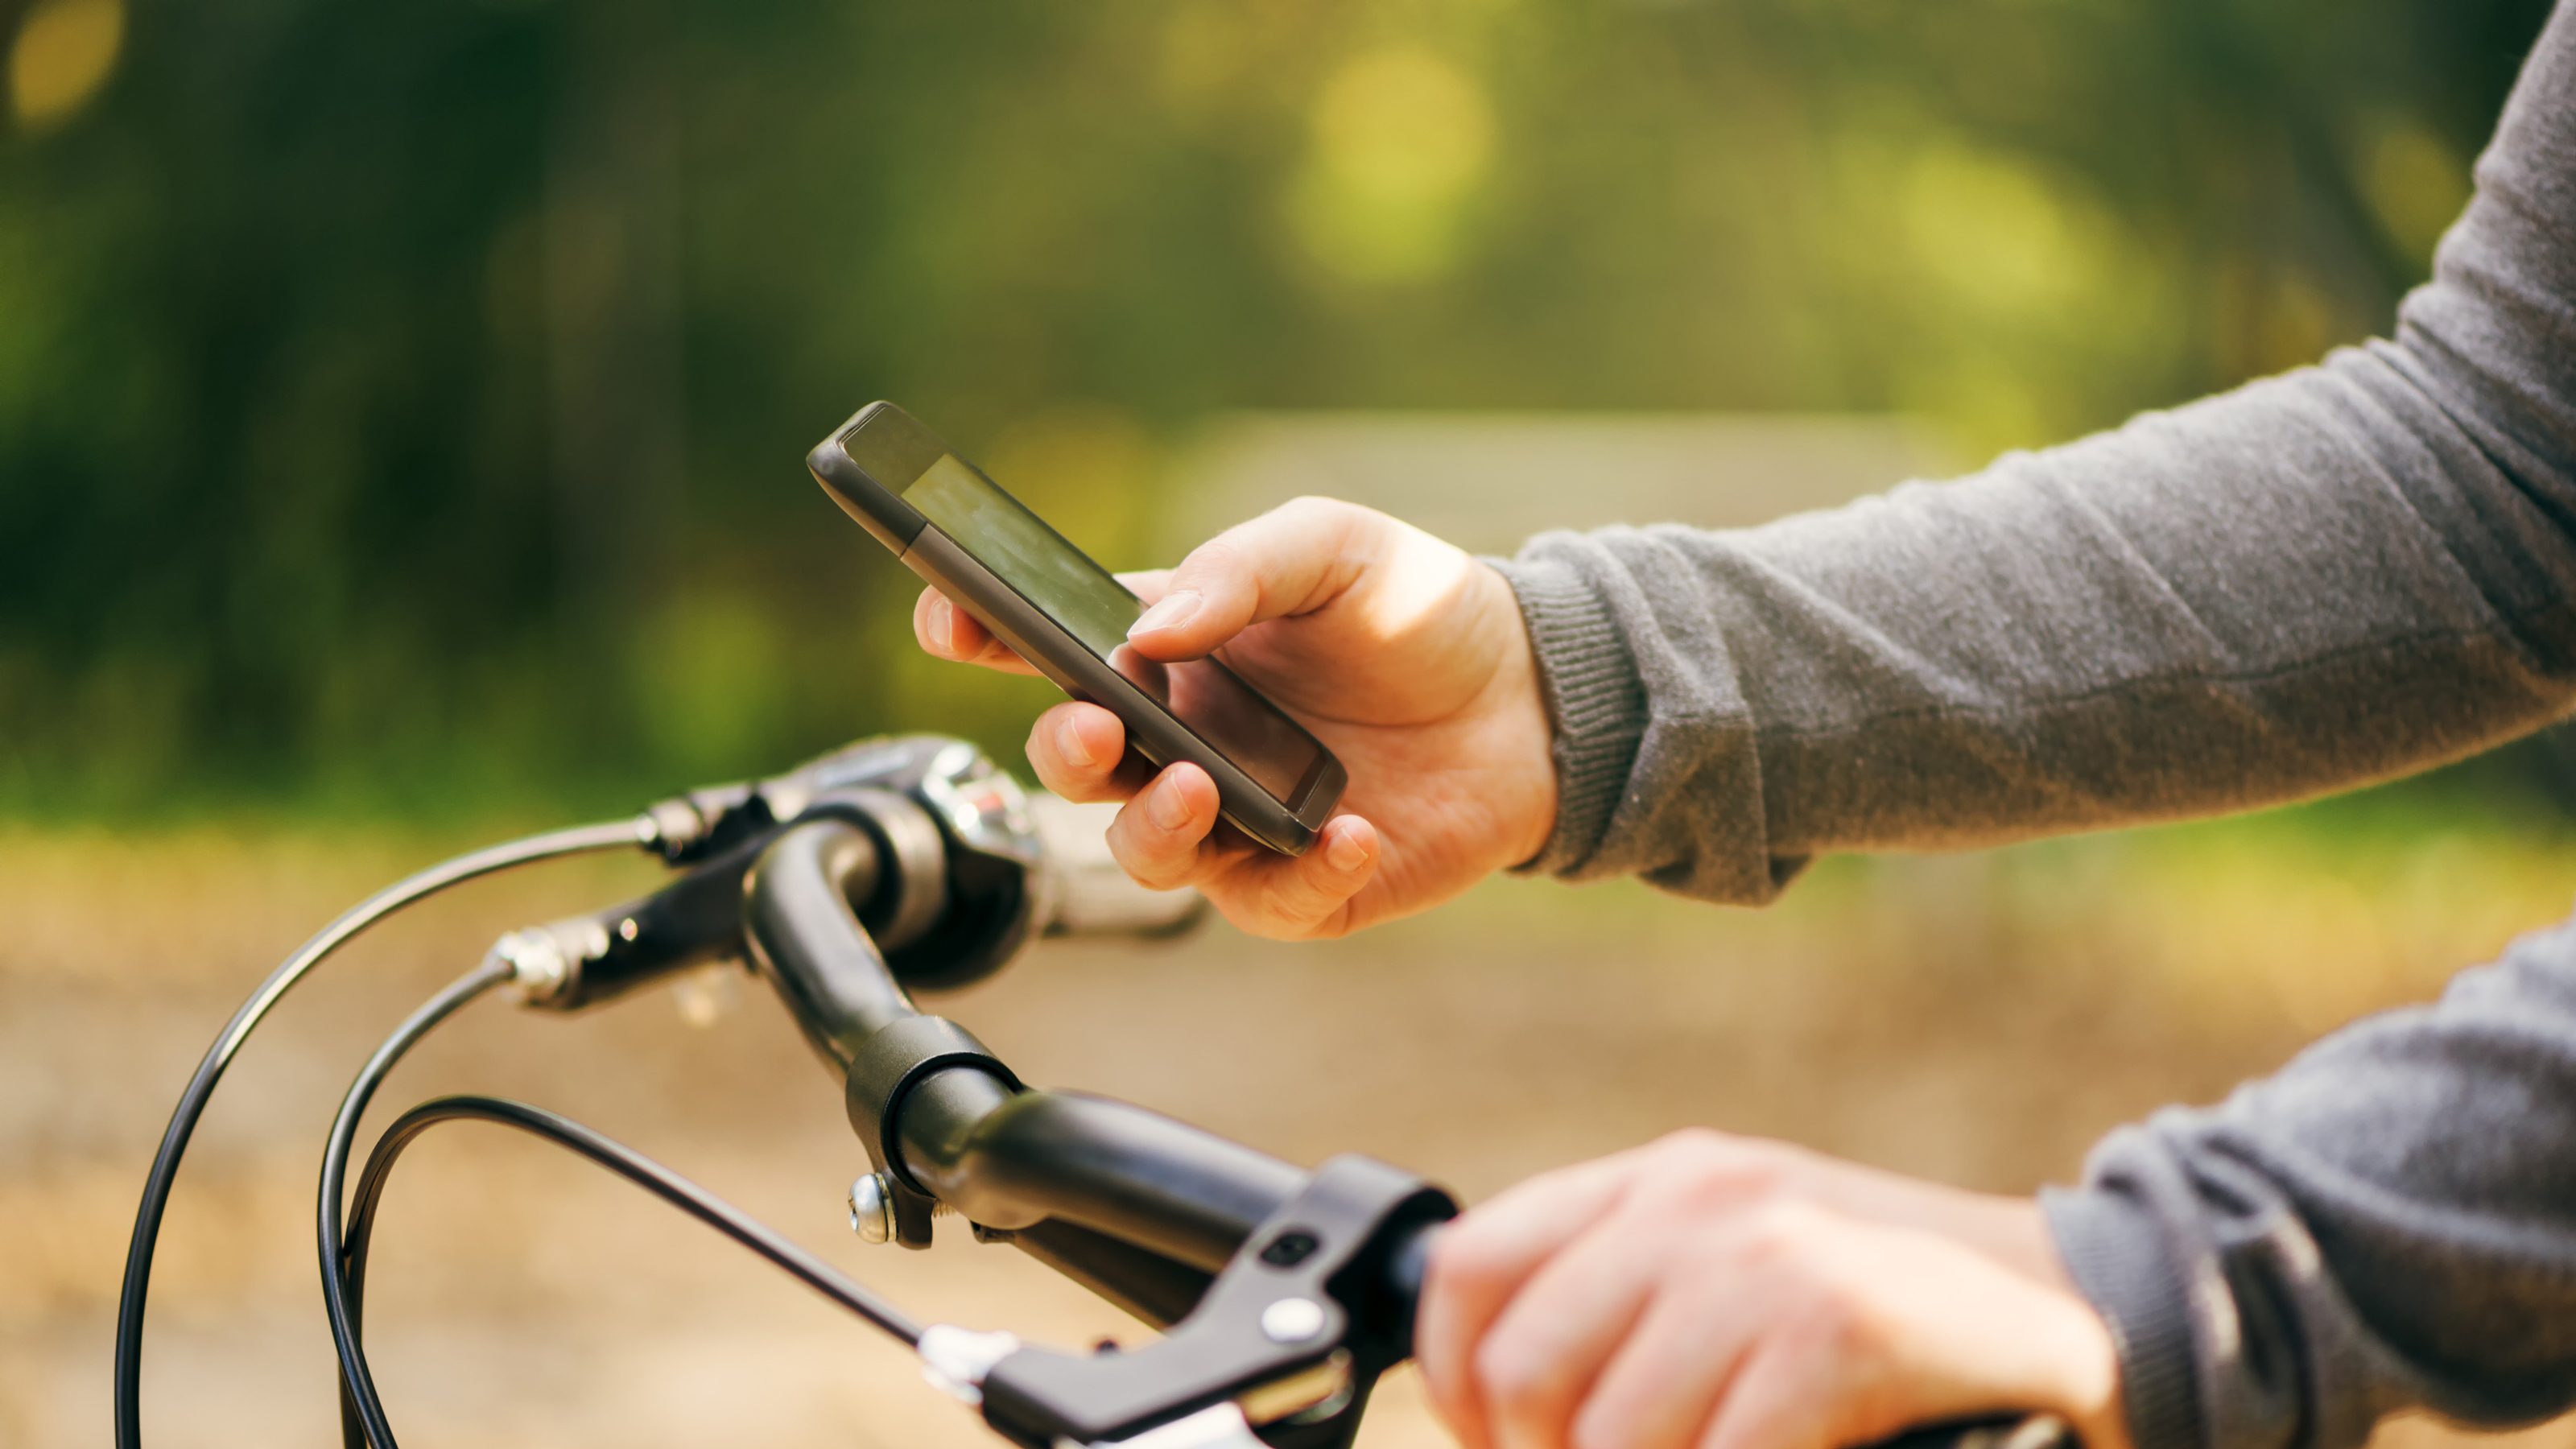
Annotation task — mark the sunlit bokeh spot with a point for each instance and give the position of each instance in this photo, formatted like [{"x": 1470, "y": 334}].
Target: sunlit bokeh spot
[
  {"x": 1400, "y": 139},
  {"x": 1088, "y": 469},
  {"x": 2415, "y": 184},
  {"x": 64, "y": 52},
  {"x": 1993, "y": 231}
]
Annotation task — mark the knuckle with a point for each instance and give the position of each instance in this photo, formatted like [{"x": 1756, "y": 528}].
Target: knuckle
[
  {"x": 1688, "y": 1146},
  {"x": 1780, "y": 1232},
  {"x": 1159, "y": 878},
  {"x": 1160, "y": 875},
  {"x": 1829, "y": 1311},
  {"x": 1710, "y": 1166},
  {"x": 1518, "y": 1375},
  {"x": 1312, "y": 508},
  {"x": 1774, "y": 1248},
  {"x": 1842, "y": 1325},
  {"x": 1296, "y": 903},
  {"x": 1150, "y": 866},
  {"x": 1219, "y": 560},
  {"x": 1331, "y": 525},
  {"x": 1336, "y": 514}
]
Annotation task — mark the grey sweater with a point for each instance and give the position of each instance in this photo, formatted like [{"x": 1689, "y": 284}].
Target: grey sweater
[{"x": 2349, "y": 573}]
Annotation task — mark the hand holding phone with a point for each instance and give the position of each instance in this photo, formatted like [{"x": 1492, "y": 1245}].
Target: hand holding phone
[
  {"x": 1402, "y": 654},
  {"x": 1067, "y": 616}
]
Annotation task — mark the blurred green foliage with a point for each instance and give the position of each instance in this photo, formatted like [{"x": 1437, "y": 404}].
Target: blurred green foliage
[{"x": 401, "y": 403}]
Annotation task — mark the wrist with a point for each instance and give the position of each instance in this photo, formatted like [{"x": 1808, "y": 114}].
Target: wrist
[
  {"x": 2015, "y": 1233},
  {"x": 1584, "y": 683},
  {"x": 2093, "y": 1403},
  {"x": 1516, "y": 701}
]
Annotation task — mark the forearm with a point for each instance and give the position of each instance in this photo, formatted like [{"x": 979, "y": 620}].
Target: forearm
[
  {"x": 2342, "y": 575},
  {"x": 2389, "y": 1222}
]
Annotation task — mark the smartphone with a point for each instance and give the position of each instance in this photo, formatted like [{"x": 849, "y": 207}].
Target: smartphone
[{"x": 1068, "y": 617}]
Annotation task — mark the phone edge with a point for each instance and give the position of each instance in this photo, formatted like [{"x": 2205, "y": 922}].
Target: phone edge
[{"x": 870, "y": 503}]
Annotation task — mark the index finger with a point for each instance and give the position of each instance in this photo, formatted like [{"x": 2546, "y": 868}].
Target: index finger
[
  {"x": 947, "y": 632},
  {"x": 1479, "y": 1263}
]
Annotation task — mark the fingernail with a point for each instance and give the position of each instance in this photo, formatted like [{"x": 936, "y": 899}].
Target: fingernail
[
  {"x": 1169, "y": 810},
  {"x": 1077, "y": 750},
  {"x": 1175, "y": 610},
  {"x": 943, "y": 625},
  {"x": 1345, "y": 853}
]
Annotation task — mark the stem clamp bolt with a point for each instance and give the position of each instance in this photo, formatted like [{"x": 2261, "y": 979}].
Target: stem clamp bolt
[{"x": 872, "y": 1209}]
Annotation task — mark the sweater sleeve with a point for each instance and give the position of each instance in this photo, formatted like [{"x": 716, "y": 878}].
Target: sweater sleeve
[
  {"x": 2389, "y": 1222},
  {"x": 2340, "y": 575}
]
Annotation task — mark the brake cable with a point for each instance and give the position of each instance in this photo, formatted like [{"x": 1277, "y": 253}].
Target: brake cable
[
  {"x": 201, "y": 1087},
  {"x": 546, "y": 1126},
  {"x": 360, "y": 1416}
]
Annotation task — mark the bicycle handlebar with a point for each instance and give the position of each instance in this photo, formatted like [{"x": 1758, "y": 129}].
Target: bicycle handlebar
[{"x": 914, "y": 864}]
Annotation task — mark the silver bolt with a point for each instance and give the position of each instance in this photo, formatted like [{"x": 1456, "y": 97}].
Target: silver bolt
[
  {"x": 1292, "y": 1320},
  {"x": 872, "y": 1209},
  {"x": 545, "y": 961},
  {"x": 539, "y": 968}
]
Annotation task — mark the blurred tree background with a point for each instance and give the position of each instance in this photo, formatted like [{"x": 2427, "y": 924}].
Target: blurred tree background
[{"x": 402, "y": 403}]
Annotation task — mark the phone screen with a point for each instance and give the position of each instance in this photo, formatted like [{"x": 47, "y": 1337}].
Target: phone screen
[{"x": 1092, "y": 606}]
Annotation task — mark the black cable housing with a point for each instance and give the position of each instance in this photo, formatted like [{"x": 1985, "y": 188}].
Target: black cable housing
[
  {"x": 201, "y": 1086},
  {"x": 338, "y": 1302},
  {"x": 618, "y": 1158}
]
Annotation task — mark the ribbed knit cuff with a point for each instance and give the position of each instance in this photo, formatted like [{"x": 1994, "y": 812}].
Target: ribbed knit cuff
[
  {"x": 1595, "y": 703},
  {"x": 2116, "y": 1253}
]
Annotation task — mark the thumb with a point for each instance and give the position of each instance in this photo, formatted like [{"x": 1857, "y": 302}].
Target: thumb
[{"x": 1292, "y": 560}]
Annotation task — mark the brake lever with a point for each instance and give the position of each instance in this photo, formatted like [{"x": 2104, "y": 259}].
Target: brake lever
[{"x": 1290, "y": 1337}]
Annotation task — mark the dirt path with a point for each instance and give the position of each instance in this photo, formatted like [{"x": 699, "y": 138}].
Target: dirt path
[{"x": 1979, "y": 1019}]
